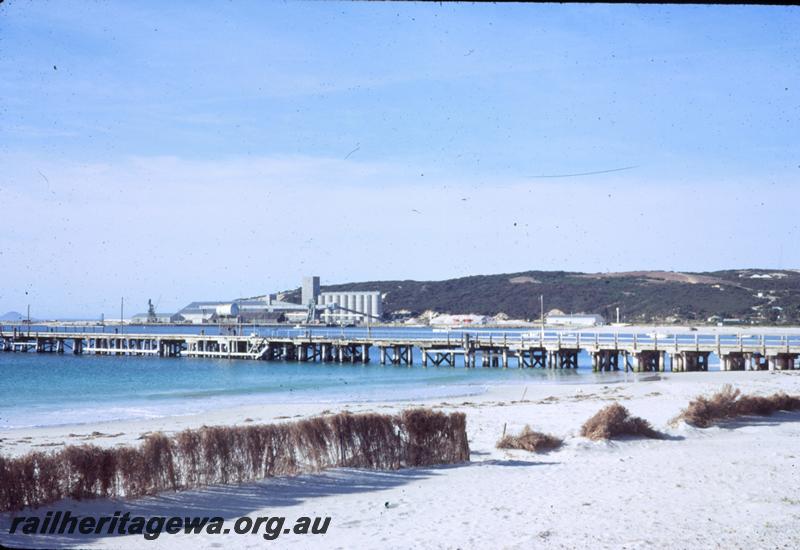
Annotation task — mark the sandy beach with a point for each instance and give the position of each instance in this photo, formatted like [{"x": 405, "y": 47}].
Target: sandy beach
[
  {"x": 734, "y": 486},
  {"x": 407, "y": 275}
]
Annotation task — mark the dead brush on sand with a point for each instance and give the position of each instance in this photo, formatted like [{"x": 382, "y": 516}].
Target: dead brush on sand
[
  {"x": 729, "y": 403},
  {"x": 614, "y": 421},
  {"x": 234, "y": 454},
  {"x": 529, "y": 440}
]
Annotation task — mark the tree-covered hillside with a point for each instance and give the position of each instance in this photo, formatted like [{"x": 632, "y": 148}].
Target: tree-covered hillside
[{"x": 758, "y": 295}]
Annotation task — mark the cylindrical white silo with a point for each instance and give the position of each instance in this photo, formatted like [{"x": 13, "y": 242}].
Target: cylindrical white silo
[{"x": 377, "y": 310}]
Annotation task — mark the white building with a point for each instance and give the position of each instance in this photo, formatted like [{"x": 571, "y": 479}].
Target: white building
[
  {"x": 208, "y": 312},
  {"x": 468, "y": 319},
  {"x": 577, "y": 319},
  {"x": 266, "y": 309}
]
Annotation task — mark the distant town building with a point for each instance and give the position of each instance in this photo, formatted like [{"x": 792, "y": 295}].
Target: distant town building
[
  {"x": 401, "y": 315},
  {"x": 576, "y": 319},
  {"x": 459, "y": 320},
  {"x": 723, "y": 321}
]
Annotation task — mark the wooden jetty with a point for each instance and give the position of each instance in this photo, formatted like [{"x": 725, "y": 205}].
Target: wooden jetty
[{"x": 608, "y": 352}]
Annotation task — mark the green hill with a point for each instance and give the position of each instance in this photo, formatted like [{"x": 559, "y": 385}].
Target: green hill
[{"x": 756, "y": 295}]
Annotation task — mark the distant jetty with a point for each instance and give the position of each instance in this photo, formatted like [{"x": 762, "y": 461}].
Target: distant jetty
[{"x": 637, "y": 352}]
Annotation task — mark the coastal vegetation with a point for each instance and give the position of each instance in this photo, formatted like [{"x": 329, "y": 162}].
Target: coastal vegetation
[
  {"x": 234, "y": 454},
  {"x": 530, "y": 440},
  {"x": 616, "y": 421},
  {"x": 730, "y": 403}
]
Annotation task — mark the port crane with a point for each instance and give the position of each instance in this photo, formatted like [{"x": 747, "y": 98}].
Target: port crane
[{"x": 151, "y": 312}]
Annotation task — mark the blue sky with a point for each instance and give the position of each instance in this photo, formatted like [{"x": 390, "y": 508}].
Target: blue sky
[{"x": 209, "y": 150}]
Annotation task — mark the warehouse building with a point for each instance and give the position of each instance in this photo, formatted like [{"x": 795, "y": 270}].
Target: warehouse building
[
  {"x": 330, "y": 307},
  {"x": 209, "y": 312},
  {"x": 265, "y": 309}
]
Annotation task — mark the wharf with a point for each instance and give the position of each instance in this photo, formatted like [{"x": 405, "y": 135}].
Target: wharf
[{"x": 608, "y": 352}]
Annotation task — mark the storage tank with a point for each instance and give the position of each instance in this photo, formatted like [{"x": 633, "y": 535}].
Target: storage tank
[
  {"x": 227, "y": 310},
  {"x": 377, "y": 306}
]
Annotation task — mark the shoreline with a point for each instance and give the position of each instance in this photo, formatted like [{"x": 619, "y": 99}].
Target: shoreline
[
  {"x": 732, "y": 485},
  {"x": 469, "y": 390},
  {"x": 214, "y": 409},
  {"x": 16, "y": 441}
]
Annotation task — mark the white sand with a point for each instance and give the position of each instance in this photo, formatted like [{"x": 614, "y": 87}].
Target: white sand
[{"x": 735, "y": 486}]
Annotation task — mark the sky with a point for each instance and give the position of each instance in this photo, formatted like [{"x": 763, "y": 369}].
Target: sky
[{"x": 203, "y": 150}]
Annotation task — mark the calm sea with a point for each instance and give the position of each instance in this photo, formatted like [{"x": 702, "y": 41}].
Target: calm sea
[{"x": 38, "y": 389}]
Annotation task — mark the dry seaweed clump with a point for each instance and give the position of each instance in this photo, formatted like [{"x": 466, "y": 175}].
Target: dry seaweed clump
[
  {"x": 529, "y": 440},
  {"x": 729, "y": 403},
  {"x": 234, "y": 454},
  {"x": 614, "y": 421}
]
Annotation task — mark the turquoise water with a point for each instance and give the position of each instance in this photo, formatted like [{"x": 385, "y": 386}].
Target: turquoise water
[{"x": 40, "y": 389}]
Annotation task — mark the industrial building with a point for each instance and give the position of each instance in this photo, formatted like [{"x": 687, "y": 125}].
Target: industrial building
[
  {"x": 142, "y": 318},
  {"x": 309, "y": 292},
  {"x": 265, "y": 309},
  {"x": 329, "y": 307},
  {"x": 209, "y": 312},
  {"x": 351, "y": 306},
  {"x": 342, "y": 307}
]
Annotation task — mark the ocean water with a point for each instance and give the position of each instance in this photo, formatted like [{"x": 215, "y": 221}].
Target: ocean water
[{"x": 42, "y": 389}]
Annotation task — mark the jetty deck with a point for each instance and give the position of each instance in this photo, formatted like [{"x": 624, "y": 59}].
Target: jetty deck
[{"x": 609, "y": 352}]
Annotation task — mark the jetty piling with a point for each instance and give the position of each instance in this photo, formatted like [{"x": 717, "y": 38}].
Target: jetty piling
[{"x": 635, "y": 352}]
